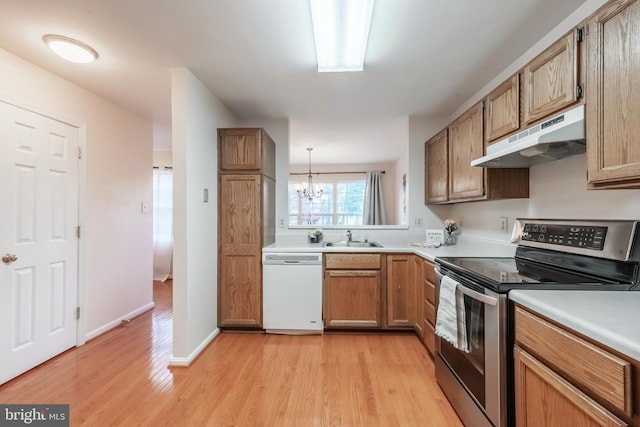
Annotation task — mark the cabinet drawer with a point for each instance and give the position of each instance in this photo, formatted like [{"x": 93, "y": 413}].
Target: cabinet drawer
[
  {"x": 430, "y": 312},
  {"x": 429, "y": 337},
  {"x": 352, "y": 261},
  {"x": 603, "y": 375},
  {"x": 428, "y": 272},
  {"x": 430, "y": 292}
]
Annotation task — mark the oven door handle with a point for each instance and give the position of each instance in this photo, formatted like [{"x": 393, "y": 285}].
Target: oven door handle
[
  {"x": 477, "y": 295},
  {"x": 471, "y": 293}
]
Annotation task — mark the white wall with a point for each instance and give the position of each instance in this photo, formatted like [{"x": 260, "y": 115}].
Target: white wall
[
  {"x": 162, "y": 145},
  {"x": 117, "y": 237},
  {"x": 558, "y": 189},
  {"x": 196, "y": 116},
  {"x": 162, "y": 158},
  {"x": 570, "y": 22}
]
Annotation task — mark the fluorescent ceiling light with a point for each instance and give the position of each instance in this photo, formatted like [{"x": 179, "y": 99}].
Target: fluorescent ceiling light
[
  {"x": 341, "y": 31},
  {"x": 70, "y": 49}
]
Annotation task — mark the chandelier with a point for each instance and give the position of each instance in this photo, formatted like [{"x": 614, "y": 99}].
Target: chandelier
[{"x": 309, "y": 191}]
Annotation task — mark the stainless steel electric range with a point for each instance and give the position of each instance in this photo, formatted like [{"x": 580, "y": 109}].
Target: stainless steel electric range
[{"x": 551, "y": 254}]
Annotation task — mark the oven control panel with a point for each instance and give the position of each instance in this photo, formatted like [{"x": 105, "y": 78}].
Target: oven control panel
[{"x": 586, "y": 237}]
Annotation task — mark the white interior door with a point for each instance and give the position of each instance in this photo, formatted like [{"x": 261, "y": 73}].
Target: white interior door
[{"x": 38, "y": 243}]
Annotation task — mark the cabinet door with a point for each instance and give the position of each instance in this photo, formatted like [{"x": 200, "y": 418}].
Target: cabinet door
[
  {"x": 543, "y": 398},
  {"x": 429, "y": 304},
  {"x": 239, "y": 149},
  {"x": 613, "y": 94},
  {"x": 418, "y": 297},
  {"x": 352, "y": 298},
  {"x": 503, "y": 109},
  {"x": 240, "y": 290},
  {"x": 550, "y": 80},
  {"x": 400, "y": 291},
  {"x": 437, "y": 168},
  {"x": 466, "y": 143},
  {"x": 240, "y": 237}
]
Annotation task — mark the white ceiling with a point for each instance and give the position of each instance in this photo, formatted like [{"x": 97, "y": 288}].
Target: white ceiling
[{"x": 424, "y": 57}]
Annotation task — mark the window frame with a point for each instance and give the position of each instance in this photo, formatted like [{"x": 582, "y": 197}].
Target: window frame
[{"x": 334, "y": 180}]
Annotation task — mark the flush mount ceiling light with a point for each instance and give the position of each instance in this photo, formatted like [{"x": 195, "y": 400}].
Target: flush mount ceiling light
[
  {"x": 341, "y": 31},
  {"x": 70, "y": 49}
]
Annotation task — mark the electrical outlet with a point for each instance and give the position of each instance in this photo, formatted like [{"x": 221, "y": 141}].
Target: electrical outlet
[
  {"x": 504, "y": 224},
  {"x": 281, "y": 222},
  {"x": 460, "y": 222},
  {"x": 417, "y": 222}
]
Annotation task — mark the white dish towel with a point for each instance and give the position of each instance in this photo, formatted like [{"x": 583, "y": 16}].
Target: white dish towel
[{"x": 450, "y": 320}]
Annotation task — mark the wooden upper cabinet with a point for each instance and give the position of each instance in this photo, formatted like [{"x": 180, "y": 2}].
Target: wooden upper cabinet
[
  {"x": 246, "y": 149},
  {"x": 549, "y": 81},
  {"x": 449, "y": 176},
  {"x": 437, "y": 168},
  {"x": 503, "y": 109},
  {"x": 466, "y": 143},
  {"x": 613, "y": 96}
]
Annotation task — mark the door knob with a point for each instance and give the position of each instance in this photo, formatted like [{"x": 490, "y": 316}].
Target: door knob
[{"x": 9, "y": 258}]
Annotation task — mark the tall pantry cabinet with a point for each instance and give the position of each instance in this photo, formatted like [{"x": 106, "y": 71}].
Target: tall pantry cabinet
[{"x": 246, "y": 223}]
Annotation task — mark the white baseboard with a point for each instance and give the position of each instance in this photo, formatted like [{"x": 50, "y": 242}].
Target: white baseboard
[
  {"x": 116, "y": 322},
  {"x": 186, "y": 361}
]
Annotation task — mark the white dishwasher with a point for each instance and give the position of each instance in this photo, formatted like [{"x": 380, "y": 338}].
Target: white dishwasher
[{"x": 292, "y": 293}]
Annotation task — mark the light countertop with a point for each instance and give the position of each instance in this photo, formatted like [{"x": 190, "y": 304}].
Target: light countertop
[
  {"x": 607, "y": 317},
  {"x": 465, "y": 247}
]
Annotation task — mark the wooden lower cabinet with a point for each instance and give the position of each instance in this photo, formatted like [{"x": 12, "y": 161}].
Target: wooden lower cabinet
[
  {"x": 353, "y": 290},
  {"x": 240, "y": 294},
  {"x": 429, "y": 304},
  {"x": 418, "y": 295},
  {"x": 240, "y": 232},
  {"x": 400, "y": 291},
  {"x": 246, "y": 223},
  {"x": 564, "y": 379},
  {"x": 544, "y": 398},
  {"x": 352, "y": 299}
]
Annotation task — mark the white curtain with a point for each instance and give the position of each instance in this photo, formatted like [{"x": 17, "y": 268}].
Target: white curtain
[
  {"x": 162, "y": 224},
  {"x": 373, "y": 202}
]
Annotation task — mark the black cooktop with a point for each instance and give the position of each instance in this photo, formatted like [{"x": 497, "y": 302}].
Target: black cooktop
[{"x": 504, "y": 274}]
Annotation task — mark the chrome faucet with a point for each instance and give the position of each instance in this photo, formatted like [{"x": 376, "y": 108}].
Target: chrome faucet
[{"x": 349, "y": 237}]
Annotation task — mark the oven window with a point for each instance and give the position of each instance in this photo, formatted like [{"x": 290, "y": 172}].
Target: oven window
[{"x": 469, "y": 367}]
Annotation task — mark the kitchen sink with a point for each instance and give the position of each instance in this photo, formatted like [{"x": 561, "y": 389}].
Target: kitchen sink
[{"x": 353, "y": 244}]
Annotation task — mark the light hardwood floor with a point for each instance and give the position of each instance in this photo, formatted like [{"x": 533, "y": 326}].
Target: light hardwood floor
[{"x": 121, "y": 379}]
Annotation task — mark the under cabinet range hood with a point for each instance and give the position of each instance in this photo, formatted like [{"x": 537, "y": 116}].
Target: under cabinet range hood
[{"x": 558, "y": 137}]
